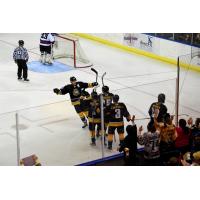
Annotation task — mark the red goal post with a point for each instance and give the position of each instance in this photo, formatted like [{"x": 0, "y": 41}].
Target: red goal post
[{"x": 67, "y": 49}]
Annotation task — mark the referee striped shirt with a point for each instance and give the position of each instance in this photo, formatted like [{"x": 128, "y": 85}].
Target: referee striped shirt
[{"x": 20, "y": 53}]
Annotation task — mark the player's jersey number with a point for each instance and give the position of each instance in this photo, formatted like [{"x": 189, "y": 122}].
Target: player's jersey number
[{"x": 117, "y": 113}]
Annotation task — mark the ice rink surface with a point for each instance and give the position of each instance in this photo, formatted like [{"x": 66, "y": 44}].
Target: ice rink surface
[{"x": 49, "y": 126}]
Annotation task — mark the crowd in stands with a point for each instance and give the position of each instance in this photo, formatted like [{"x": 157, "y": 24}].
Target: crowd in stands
[
  {"x": 164, "y": 143},
  {"x": 187, "y": 38}
]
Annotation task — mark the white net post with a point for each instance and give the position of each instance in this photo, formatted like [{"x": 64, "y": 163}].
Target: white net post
[
  {"x": 69, "y": 51},
  {"x": 17, "y": 139},
  {"x": 102, "y": 125}
]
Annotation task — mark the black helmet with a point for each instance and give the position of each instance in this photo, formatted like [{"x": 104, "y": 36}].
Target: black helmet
[
  {"x": 116, "y": 98},
  {"x": 21, "y": 42},
  {"x": 105, "y": 88},
  {"x": 94, "y": 95},
  {"x": 161, "y": 98},
  {"x": 72, "y": 78}
]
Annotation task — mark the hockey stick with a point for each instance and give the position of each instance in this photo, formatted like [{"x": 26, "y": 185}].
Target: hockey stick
[
  {"x": 150, "y": 118},
  {"x": 95, "y": 71},
  {"x": 103, "y": 78}
]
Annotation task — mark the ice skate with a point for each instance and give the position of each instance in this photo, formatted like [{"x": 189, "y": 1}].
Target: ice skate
[
  {"x": 85, "y": 125},
  {"x": 93, "y": 142},
  {"x": 110, "y": 148},
  {"x": 98, "y": 133},
  {"x": 49, "y": 59},
  {"x": 43, "y": 58}
]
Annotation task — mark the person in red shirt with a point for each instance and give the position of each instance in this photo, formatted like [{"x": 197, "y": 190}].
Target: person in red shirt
[{"x": 182, "y": 142}]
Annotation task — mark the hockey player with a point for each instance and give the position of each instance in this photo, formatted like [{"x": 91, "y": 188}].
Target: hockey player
[
  {"x": 117, "y": 111},
  {"x": 160, "y": 106},
  {"x": 85, "y": 100},
  {"x": 74, "y": 89},
  {"x": 46, "y": 42},
  {"x": 94, "y": 116},
  {"x": 20, "y": 56},
  {"x": 107, "y": 97}
]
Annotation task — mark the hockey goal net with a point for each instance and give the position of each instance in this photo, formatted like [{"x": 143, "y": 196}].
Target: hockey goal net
[{"x": 68, "y": 50}]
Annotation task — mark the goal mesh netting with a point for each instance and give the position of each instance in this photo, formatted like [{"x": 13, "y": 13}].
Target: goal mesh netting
[
  {"x": 187, "y": 92},
  {"x": 68, "y": 50}
]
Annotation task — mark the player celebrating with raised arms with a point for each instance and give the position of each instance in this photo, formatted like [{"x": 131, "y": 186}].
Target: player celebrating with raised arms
[{"x": 74, "y": 89}]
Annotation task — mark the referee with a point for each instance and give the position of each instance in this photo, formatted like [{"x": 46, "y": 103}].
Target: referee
[{"x": 21, "y": 57}]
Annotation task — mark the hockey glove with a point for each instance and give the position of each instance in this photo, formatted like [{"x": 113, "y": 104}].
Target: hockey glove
[
  {"x": 128, "y": 118},
  {"x": 56, "y": 90},
  {"x": 94, "y": 84}
]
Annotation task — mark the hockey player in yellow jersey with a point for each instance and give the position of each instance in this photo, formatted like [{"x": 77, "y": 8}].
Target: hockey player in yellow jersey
[
  {"x": 160, "y": 107},
  {"x": 107, "y": 98},
  {"x": 74, "y": 89},
  {"x": 85, "y": 100},
  {"x": 117, "y": 111},
  {"x": 94, "y": 116}
]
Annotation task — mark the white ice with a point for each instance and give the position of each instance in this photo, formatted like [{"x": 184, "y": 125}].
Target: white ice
[{"x": 49, "y": 126}]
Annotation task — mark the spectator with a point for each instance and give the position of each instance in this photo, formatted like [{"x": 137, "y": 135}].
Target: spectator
[
  {"x": 187, "y": 159},
  {"x": 183, "y": 37},
  {"x": 165, "y": 35},
  {"x": 182, "y": 142},
  {"x": 197, "y": 39},
  {"x": 191, "y": 159},
  {"x": 151, "y": 142},
  {"x": 187, "y": 38},
  {"x": 196, "y": 158},
  {"x": 195, "y": 135},
  {"x": 167, "y": 137},
  {"x": 129, "y": 145}
]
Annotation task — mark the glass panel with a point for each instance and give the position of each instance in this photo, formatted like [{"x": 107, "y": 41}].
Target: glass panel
[
  {"x": 183, "y": 37},
  {"x": 189, "y": 85},
  {"x": 140, "y": 90},
  {"x": 8, "y": 144},
  {"x": 53, "y": 133}
]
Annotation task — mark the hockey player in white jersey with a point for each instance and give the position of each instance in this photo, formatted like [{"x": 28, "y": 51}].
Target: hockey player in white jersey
[{"x": 46, "y": 42}]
